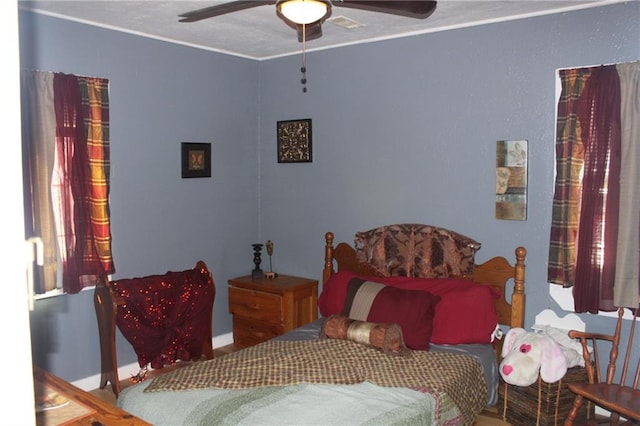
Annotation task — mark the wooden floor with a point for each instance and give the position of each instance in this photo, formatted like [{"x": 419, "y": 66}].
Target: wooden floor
[{"x": 486, "y": 418}]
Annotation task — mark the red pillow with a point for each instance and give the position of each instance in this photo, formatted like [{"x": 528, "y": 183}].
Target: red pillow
[
  {"x": 375, "y": 302},
  {"x": 334, "y": 291},
  {"x": 465, "y": 314}
]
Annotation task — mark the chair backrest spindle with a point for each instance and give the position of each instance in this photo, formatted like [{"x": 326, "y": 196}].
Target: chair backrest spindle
[
  {"x": 613, "y": 357},
  {"x": 627, "y": 357},
  {"x": 596, "y": 354}
]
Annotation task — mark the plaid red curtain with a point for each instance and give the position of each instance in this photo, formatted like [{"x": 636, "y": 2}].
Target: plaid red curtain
[
  {"x": 82, "y": 149},
  {"x": 569, "y": 164},
  {"x": 95, "y": 104}
]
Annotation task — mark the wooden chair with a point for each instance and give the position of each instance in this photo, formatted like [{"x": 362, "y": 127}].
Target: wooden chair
[
  {"x": 106, "y": 302},
  {"x": 618, "y": 398}
]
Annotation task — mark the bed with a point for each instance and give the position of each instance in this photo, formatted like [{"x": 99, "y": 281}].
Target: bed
[{"x": 352, "y": 366}]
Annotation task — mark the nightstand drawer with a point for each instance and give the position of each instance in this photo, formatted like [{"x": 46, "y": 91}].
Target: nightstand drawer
[
  {"x": 256, "y": 305},
  {"x": 248, "y": 332},
  {"x": 265, "y": 308}
]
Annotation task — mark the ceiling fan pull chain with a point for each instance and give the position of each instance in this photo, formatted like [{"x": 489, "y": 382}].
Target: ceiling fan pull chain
[{"x": 303, "y": 80}]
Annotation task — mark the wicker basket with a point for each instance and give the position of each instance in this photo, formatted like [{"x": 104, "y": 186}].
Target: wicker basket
[{"x": 542, "y": 403}]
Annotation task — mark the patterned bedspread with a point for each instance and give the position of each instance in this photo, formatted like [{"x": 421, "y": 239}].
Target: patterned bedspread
[
  {"x": 444, "y": 376},
  {"x": 295, "y": 405}
]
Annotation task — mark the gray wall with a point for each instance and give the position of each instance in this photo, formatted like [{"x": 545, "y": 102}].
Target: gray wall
[
  {"x": 160, "y": 95},
  {"x": 403, "y": 131}
]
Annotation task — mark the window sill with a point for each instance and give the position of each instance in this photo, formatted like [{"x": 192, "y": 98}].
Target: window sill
[
  {"x": 57, "y": 292},
  {"x": 564, "y": 298},
  {"x": 48, "y": 294}
]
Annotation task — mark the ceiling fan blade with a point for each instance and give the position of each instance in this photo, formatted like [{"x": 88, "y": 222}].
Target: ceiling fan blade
[
  {"x": 420, "y": 9},
  {"x": 313, "y": 31},
  {"x": 221, "y": 9}
]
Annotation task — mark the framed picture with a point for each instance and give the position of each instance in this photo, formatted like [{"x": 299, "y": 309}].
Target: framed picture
[
  {"x": 196, "y": 160},
  {"x": 294, "y": 141},
  {"x": 511, "y": 180}
]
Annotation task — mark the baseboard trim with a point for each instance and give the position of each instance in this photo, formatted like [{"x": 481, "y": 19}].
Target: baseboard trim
[{"x": 93, "y": 382}]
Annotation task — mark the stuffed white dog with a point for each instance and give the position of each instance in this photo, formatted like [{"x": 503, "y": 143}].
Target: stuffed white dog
[{"x": 525, "y": 355}]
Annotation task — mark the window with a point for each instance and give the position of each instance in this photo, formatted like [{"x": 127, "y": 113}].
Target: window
[
  {"x": 595, "y": 234},
  {"x": 66, "y": 164}
]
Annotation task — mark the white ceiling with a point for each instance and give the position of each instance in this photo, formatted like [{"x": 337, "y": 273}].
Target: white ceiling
[{"x": 258, "y": 33}]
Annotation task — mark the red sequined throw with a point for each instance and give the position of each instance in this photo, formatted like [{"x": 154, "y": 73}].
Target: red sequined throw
[{"x": 165, "y": 317}]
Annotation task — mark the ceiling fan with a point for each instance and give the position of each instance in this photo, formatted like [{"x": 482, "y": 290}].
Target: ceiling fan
[
  {"x": 309, "y": 24},
  {"x": 307, "y": 16}
]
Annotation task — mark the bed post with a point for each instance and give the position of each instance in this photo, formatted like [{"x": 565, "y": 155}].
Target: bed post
[
  {"x": 328, "y": 257},
  {"x": 106, "y": 306},
  {"x": 518, "y": 297},
  {"x": 207, "y": 345}
]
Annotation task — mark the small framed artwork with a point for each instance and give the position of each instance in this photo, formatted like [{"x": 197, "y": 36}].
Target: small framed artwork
[
  {"x": 294, "y": 141},
  {"x": 511, "y": 180},
  {"x": 196, "y": 160}
]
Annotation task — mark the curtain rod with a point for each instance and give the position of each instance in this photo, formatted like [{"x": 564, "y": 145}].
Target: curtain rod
[
  {"x": 598, "y": 65},
  {"x": 60, "y": 72}
]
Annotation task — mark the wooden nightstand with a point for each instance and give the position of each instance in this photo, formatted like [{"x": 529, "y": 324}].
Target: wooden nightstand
[{"x": 266, "y": 308}]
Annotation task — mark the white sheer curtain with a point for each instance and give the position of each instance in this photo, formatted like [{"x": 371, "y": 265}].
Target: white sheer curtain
[
  {"x": 40, "y": 129},
  {"x": 626, "y": 288}
]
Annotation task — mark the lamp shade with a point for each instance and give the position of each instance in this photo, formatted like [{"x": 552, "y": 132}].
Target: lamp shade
[{"x": 303, "y": 11}]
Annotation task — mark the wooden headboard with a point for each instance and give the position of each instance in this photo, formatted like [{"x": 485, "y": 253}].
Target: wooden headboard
[{"x": 496, "y": 272}]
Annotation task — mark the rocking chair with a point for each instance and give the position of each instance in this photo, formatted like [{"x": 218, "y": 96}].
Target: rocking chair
[{"x": 620, "y": 399}]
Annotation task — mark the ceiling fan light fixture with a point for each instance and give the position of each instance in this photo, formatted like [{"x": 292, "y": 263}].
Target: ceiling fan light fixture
[{"x": 303, "y": 11}]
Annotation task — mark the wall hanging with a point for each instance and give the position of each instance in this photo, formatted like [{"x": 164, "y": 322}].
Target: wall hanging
[
  {"x": 196, "y": 160},
  {"x": 511, "y": 180},
  {"x": 294, "y": 141}
]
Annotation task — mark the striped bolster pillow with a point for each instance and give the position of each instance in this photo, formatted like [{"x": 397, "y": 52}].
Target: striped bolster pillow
[{"x": 386, "y": 337}]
